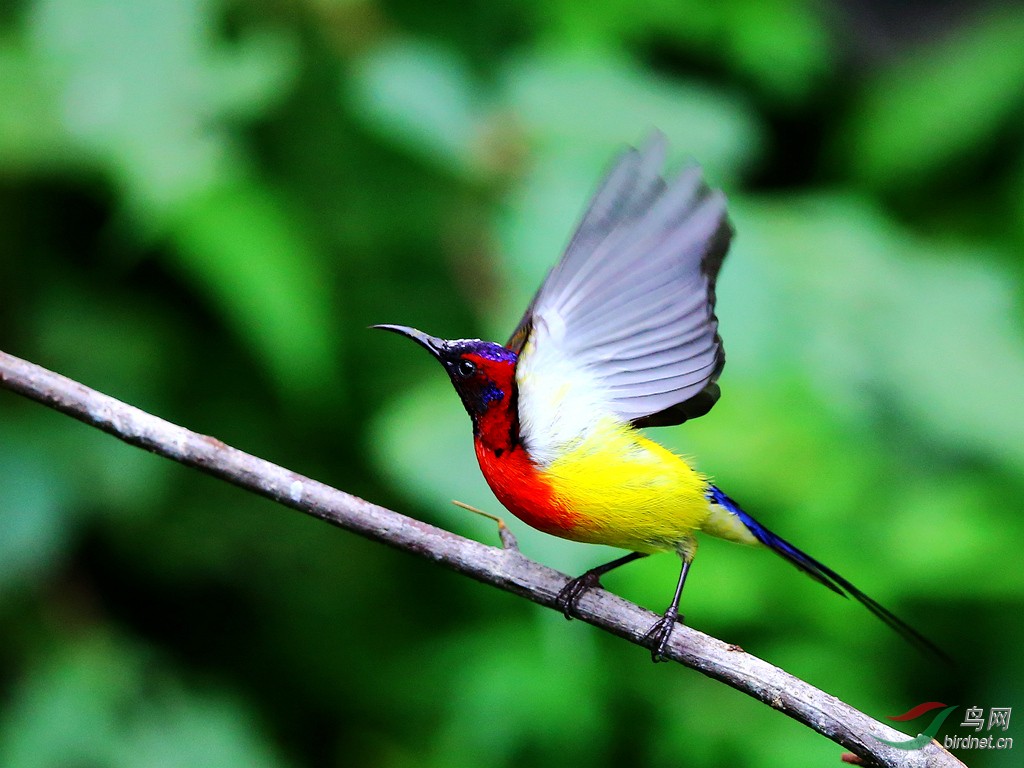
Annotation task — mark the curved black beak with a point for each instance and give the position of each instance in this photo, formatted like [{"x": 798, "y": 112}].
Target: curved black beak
[{"x": 432, "y": 344}]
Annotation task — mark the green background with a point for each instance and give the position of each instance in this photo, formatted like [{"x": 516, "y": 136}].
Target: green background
[{"x": 204, "y": 204}]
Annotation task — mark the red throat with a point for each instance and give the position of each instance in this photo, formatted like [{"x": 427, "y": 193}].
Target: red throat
[
  {"x": 520, "y": 487},
  {"x": 497, "y": 427},
  {"x": 504, "y": 461}
]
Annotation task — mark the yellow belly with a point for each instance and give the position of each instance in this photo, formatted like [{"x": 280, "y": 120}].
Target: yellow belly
[{"x": 626, "y": 491}]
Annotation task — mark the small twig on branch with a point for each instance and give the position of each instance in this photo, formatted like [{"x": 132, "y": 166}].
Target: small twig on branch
[
  {"x": 504, "y": 568},
  {"x": 507, "y": 538}
]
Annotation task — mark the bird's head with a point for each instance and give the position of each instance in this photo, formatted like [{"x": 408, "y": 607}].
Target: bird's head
[{"x": 482, "y": 372}]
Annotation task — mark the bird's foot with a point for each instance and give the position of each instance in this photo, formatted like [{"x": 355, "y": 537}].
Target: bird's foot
[
  {"x": 657, "y": 637},
  {"x": 574, "y": 589}
]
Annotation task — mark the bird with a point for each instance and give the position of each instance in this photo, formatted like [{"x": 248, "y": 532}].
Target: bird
[{"x": 621, "y": 335}]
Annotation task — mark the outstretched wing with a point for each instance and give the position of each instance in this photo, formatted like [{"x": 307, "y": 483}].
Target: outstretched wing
[{"x": 629, "y": 309}]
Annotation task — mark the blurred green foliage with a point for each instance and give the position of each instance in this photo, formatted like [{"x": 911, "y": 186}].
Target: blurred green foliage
[{"x": 203, "y": 205}]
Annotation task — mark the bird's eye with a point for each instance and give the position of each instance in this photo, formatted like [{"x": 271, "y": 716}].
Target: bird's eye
[{"x": 465, "y": 368}]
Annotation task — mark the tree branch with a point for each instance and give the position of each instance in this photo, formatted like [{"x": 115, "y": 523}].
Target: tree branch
[{"x": 504, "y": 568}]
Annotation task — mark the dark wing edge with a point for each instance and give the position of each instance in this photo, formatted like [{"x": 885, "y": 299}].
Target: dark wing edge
[{"x": 699, "y": 404}]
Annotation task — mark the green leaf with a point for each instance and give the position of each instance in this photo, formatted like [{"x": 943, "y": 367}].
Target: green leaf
[
  {"x": 239, "y": 245},
  {"x": 783, "y": 46},
  {"x": 106, "y": 703},
  {"x": 31, "y": 134},
  {"x": 492, "y": 708},
  {"x": 780, "y": 46},
  {"x": 941, "y": 104},
  {"x": 589, "y": 105},
  {"x": 868, "y": 310},
  {"x": 143, "y": 93},
  {"x": 422, "y": 96},
  {"x": 34, "y": 519}
]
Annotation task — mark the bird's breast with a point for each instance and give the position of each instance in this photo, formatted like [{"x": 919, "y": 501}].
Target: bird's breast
[
  {"x": 520, "y": 486},
  {"x": 613, "y": 486}
]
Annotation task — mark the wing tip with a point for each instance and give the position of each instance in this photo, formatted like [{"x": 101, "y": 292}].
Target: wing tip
[{"x": 643, "y": 211}]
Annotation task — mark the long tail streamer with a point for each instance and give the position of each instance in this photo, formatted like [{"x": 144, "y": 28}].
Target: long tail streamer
[{"x": 823, "y": 574}]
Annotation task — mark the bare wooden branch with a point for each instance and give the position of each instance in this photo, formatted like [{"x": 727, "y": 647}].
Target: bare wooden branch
[{"x": 504, "y": 568}]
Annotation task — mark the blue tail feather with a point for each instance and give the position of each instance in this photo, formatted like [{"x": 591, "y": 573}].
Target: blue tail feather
[{"x": 822, "y": 573}]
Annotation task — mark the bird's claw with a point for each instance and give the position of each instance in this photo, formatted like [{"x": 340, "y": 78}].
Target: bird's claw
[
  {"x": 570, "y": 594},
  {"x": 657, "y": 637}
]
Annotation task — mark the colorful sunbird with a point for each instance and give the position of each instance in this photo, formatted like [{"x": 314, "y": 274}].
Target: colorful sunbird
[{"x": 621, "y": 335}]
